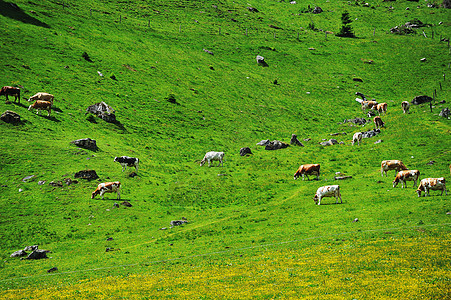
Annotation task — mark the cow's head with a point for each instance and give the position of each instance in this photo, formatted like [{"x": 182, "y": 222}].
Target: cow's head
[
  {"x": 395, "y": 182},
  {"x": 95, "y": 193},
  {"x": 315, "y": 198},
  {"x": 419, "y": 192}
]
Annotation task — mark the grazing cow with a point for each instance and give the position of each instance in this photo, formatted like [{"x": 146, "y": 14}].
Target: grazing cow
[
  {"x": 357, "y": 137},
  {"x": 212, "y": 155},
  {"x": 327, "y": 191},
  {"x": 405, "y": 106},
  {"x": 368, "y": 105},
  {"x": 381, "y": 108},
  {"x": 107, "y": 187},
  {"x": 309, "y": 169},
  {"x": 378, "y": 122},
  {"x": 45, "y": 105},
  {"x": 387, "y": 165},
  {"x": 407, "y": 175},
  {"x": 126, "y": 161},
  {"x": 10, "y": 91},
  {"x": 431, "y": 184},
  {"x": 42, "y": 96}
]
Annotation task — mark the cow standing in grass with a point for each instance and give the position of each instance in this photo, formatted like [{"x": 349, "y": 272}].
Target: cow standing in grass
[
  {"x": 378, "y": 122},
  {"x": 357, "y": 137},
  {"x": 308, "y": 169},
  {"x": 211, "y": 156},
  {"x": 42, "y": 96},
  {"x": 387, "y": 165},
  {"x": 107, "y": 187},
  {"x": 126, "y": 161},
  {"x": 10, "y": 91},
  {"x": 434, "y": 184},
  {"x": 405, "y": 107},
  {"x": 406, "y": 175},
  {"x": 327, "y": 191},
  {"x": 44, "y": 105},
  {"x": 381, "y": 108}
]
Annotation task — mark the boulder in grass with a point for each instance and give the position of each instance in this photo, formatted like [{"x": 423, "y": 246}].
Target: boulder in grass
[
  {"x": 86, "y": 174},
  {"x": 10, "y": 117},
  {"x": 86, "y": 143}
]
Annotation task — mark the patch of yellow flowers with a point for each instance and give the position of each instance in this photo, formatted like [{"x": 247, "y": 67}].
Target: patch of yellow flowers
[{"x": 407, "y": 268}]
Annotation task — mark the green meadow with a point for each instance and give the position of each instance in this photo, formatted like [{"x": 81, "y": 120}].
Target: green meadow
[{"x": 183, "y": 80}]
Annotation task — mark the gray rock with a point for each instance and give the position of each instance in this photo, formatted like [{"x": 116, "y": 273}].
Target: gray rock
[
  {"x": 86, "y": 143},
  {"x": 371, "y": 133},
  {"x": 10, "y": 117},
  {"x": 294, "y": 141},
  {"x": 31, "y": 248},
  {"x": 329, "y": 142},
  {"x": 263, "y": 143},
  {"x": 245, "y": 151},
  {"x": 25, "y": 179},
  {"x": 276, "y": 145},
  {"x": 317, "y": 10},
  {"x": 38, "y": 254},
  {"x": 445, "y": 113},
  {"x": 103, "y": 111},
  {"x": 178, "y": 222},
  {"x": 19, "y": 253},
  {"x": 86, "y": 174}
]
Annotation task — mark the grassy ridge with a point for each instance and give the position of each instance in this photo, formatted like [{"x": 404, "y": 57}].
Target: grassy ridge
[{"x": 225, "y": 102}]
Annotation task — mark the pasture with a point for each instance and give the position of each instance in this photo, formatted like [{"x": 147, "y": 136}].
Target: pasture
[{"x": 183, "y": 80}]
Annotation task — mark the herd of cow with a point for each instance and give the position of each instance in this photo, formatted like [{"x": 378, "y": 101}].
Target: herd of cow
[
  {"x": 44, "y": 101},
  {"x": 403, "y": 174}
]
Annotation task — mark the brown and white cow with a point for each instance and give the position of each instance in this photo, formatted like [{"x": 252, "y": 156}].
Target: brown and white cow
[
  {"x": 107, "y": 187},
  {"x": 44, "y": 105},
  {"x": 357, "y": 137},
  {"x": 378, "y": 122},
  {"x": 407, "y": 175},
  {"x": 327, "y": 191},
  {"x": 368, "y": 105},
  {"x": 381, "y": 108},
  {"x": 434, "y": 184},
  {"x": 387, "y": 165},
  {"x": 405, "y": 107},
  {"x": 308, "y": 169},
  {"x": 10, "y": 91},
  {"x": 42, "y": 96}
]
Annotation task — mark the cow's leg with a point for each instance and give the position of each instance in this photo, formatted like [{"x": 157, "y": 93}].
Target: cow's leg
[
  {"x": 319, "y": 200},
  {"x": 302, "y": 176},
  {"x": 118, "y": 194}
]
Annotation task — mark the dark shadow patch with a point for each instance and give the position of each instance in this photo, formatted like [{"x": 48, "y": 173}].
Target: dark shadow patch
[{"x": 12, "y": 11}]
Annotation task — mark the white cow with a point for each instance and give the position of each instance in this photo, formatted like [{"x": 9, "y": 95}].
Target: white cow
[
  {"x": 42, "y": 96},
  {"x": 357, "y": 137},
  {"x": 212, "y": 155},
  {"x": 327, "y": 191},
  {"x": 431, "y": 184}
]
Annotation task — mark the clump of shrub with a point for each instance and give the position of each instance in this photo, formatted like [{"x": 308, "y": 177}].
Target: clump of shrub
[
  {"x": 346, "y": 28},
  {"x": 171, "y": 99}
]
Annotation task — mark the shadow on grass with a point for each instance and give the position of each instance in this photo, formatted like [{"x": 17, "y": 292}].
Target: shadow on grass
[{"x": 11, "y": 10}]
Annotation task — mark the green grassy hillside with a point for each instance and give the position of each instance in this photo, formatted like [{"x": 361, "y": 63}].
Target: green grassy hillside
[{"x": 250, "y": 224}]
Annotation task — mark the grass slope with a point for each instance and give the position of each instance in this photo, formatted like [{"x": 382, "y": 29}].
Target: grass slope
[{"x": 249, "y": 213}]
